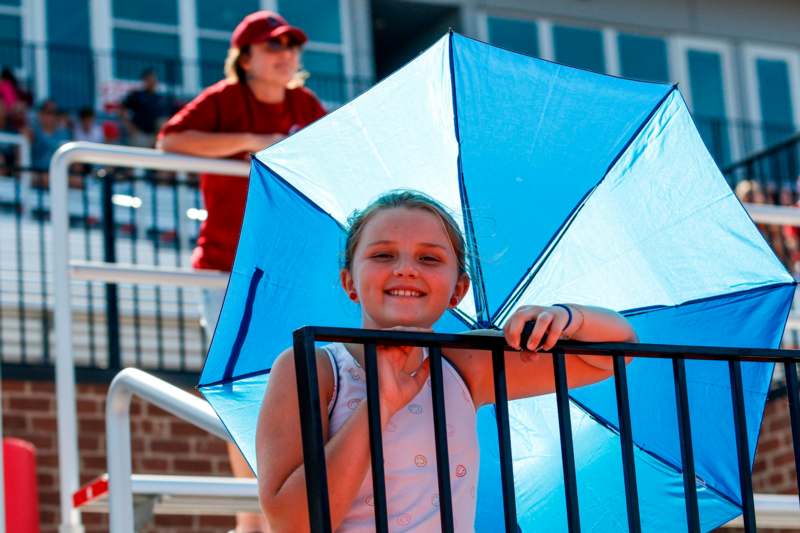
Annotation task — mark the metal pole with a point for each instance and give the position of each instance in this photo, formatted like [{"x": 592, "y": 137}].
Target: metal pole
[
  {"x": 110, "y": 256},
  {"x": 62, "y": 323},
  {"x": 100, "y": 154},
  {"x": 118, "y": 433}
]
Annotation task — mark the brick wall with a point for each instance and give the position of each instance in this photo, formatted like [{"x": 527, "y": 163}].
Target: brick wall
[
  {"x": 774, "y": 471},
  {"x": 162, "y": 444}
]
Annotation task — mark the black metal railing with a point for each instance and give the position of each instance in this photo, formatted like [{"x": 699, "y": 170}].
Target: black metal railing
[
  {"x": 314, "y": 451},
  {"x": 731, "y": 139},
  {"x": 776, "y": 168},
  {"x": 114, "y": 215}
]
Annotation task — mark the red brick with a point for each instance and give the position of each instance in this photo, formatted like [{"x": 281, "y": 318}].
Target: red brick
[
  {"x": 153, "y": 465},
  {"x": 213, "y": 445},
  {"x": 88, "y": 405},
  {"x": 785, "y": 458},
  {"x": 14, "y": 422},
  {"x": 15, "y": 386},
  {"x": 185, "y": 429},
  {"x": 44, "y": 424},
  {"x": 216, "y": 521},
  {"x": 170, "y": 446},
  {"x": 193, "y": 466},
  {"x": 47, "y": 387},
  {"x": 42, "y": 442},
  {"x": 34, "y": 404}
]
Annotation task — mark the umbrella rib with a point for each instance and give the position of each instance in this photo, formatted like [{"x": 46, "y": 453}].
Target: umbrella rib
[
  {"x": 537, "y": 264},
  {"x": 481, "y": 302}
]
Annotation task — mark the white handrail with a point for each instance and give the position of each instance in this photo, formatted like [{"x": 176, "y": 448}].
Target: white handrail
[
  {"x": 100, "y": 154},
  {"x": 118, "y": 432},
  {"x": 161, "y": 275}
]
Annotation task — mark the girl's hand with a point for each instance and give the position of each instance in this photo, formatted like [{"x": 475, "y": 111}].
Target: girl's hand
[
  {"x": 548, "y": 327},
  {"x": 398, "y": 383}
]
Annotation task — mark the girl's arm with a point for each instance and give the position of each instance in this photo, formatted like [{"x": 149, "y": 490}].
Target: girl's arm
[
  {"x": 530, "y": 372},
  {"x": 279, "y": 450},
  {"x": 208, "y": 144}
]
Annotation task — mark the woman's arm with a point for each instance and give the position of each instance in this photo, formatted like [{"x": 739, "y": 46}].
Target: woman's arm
[
  {"x": 530, "y": 372},
  {"x": 279, "y": 450},
  {"x": 201, "y": 143}
]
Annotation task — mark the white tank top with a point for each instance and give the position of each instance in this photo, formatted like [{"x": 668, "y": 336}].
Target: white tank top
[{"x": 409, "y": 452}]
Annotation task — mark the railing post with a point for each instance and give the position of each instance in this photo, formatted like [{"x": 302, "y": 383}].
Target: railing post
[
  {"x": 440, "y": 436},
  {"x": 375, "y": 437},
  {"x": 742, "y": 446},
  {"x": 305, "y": 364},
  {"x": 793, "y": 392},
  {"x": 626, "y": 443},
  {"x": 504, "y": 440},
  {"x": 687, "y": 452},
  {"x": 567, "y": 449},
  {"x": 110, "y": 256}
]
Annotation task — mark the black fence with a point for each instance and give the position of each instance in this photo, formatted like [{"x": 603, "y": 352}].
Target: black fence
[
  {"x": 134, "y": 217},
  {"x": 314, "y": 451},
  {"x": 775, "y": 169}
]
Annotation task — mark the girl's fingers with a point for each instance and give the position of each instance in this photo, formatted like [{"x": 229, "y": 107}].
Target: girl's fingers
[
  {"x": 513, "y": 328},
  {"x": 539, "y": 329},
  {"x": 553, "y": 333}
]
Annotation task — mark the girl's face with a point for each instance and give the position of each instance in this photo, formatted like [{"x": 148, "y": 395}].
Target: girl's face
[
  {"x": 275, "y": 62},
  {"x": 404, "y": 270}
]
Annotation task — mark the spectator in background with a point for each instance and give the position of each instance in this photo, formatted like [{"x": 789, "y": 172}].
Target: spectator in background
[
  {"x": 144, "y": 110},
  {"x": 46, "y": 134},
  {"x": 13, "y": 100},
  {"x": 260, "y": 102},
  {"x": 87, "y": 128}
]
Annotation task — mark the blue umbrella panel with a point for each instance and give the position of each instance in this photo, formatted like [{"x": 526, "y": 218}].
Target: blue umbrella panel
[{"x": 570, "y": 186}]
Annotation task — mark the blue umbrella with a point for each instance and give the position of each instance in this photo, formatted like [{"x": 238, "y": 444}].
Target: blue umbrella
[{"x": 570, "y": 186}]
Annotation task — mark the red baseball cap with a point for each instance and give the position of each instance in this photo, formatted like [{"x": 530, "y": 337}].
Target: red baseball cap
[{"x": 262, "y": 26}]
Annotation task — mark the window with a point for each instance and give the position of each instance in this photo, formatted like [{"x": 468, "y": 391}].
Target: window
[
  {"x": 223, "y": 15},
  {"x": 327, "y": 76},
  {"x": 212, "y": 60},
  {"x": 155, "y": 11},
  {"x": 775, "y": 99},
  {"x": 643, "y": 58},
  {"x": 136, "y": 51},
  {"x": 708, "y": 101},
  {"x": 11, "y": 42},
  {"x": 516, "y": 35},
  {"x": 69, "y": 55},
  {"x": 319, "y": 19},
  {"x": 579, "y": 47}
]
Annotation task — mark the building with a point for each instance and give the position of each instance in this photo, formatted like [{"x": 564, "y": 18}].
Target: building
[{"x": 738, "y": 61}]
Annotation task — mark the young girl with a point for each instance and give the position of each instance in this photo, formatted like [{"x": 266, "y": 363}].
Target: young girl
[{"x": 405, "y": 265}]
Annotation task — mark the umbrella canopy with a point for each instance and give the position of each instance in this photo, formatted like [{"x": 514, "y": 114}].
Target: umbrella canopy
[{"x": 570, "y": 186}]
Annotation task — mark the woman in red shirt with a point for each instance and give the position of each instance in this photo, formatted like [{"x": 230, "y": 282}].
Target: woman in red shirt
[{"x": 259, "y": 103}]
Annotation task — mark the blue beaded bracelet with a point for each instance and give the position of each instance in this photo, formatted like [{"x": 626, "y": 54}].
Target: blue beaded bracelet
[{"x": 569, "y": 314}]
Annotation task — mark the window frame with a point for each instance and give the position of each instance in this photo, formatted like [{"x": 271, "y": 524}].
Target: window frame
[
  {"x": 750, "y": 54},
  {"x": 678, "y": 47}
]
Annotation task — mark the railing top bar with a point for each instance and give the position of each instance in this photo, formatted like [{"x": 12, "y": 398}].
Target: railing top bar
[
  {"x": 775, "y": 148},
  {"x": 126, "y": 156},
  {"x": 493, "y": 339}
]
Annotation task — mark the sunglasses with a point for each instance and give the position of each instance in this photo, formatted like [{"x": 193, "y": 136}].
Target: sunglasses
[{"x": 280, "y": 46}]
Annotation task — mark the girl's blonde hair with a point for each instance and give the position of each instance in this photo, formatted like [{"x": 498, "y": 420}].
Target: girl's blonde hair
[
  {"x": 235, "y": 72},
  {"x": 410, "y": 200}
]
